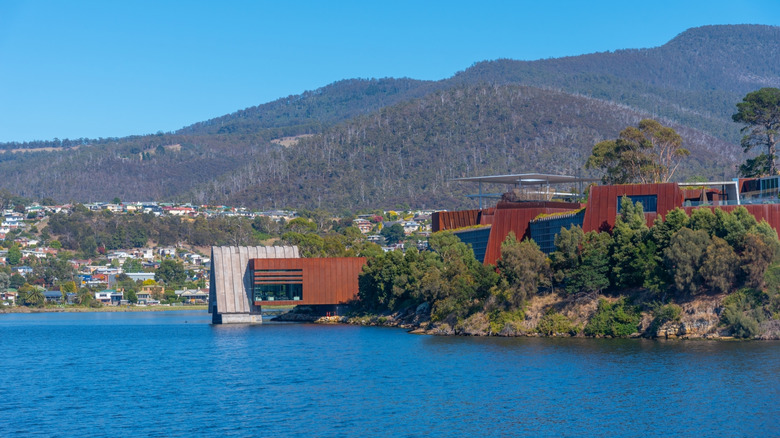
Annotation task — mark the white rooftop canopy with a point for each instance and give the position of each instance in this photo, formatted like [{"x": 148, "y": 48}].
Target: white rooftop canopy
[{"x": 524, "y": 179}]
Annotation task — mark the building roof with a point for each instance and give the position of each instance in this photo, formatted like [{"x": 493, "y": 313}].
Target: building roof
[{"x": 527, "y": 179}]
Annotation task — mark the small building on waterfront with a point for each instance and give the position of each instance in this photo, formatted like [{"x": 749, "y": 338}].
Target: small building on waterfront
[{"x": 243, "y": 279}]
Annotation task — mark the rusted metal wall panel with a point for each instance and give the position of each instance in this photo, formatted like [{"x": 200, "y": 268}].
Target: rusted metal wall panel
[
  {"x": 325, "y": 280},
  {"x": 449, "y": 220},
  {"x": 515, "y": 217}
]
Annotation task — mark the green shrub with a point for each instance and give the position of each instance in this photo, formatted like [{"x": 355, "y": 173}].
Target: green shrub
[
  {"x": 738, "y": 322},
  {"x": 500, "y": 318},
  {"x": 553, "y": 322},
  {"x": 618, "y": 319},
  {"x": 744, "y": 299},
  {"x": 664, "y": 314}
]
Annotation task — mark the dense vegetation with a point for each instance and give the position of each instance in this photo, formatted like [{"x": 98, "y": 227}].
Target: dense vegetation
[
  {"x": 91, "y": 233},
  {"x": 401, "y": 144},
  {"x": 645, "y": 268}
]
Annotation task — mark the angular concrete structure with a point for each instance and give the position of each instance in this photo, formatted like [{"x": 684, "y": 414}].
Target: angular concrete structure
[{"x": 230, "y": 286}]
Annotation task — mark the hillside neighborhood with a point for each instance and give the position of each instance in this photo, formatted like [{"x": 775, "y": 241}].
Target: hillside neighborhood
[{"x": 36, "y": 270}]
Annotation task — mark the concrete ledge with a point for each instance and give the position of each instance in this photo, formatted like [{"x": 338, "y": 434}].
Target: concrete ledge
[{"x": 238, "y": 318}]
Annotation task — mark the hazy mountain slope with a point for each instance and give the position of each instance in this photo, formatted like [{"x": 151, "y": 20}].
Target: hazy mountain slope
[
  {"x": 695, "y": 79},
  {"x": 408, "y": 153},
  {"x": 311, "y": 111}
]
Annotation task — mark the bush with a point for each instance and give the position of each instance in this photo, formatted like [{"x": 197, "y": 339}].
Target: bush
[
  {"x": 500, "y": 318},
  {"x": 618, "y": 319},
  {"x": 554, "y": 323},
  {"x": 739, "y": 323},
  {"x": 664, "y": 314},
  {"x": 740, "y": 315}
]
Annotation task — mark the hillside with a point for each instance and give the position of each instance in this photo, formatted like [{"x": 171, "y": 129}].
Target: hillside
[
  {"x": 695, "y": 79},
  {"x": 408, "y": 153},
  {"x": 380, "y": 142}
]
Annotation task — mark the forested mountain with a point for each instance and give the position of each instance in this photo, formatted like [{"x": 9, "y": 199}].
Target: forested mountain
[
  {"x": 407, "y": 153},
  {"x": 694, "y": 79},
  {"x": 381, "y": 142},
  {"x": 309, "y": 112}
]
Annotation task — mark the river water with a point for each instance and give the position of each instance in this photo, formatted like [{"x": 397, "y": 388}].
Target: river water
[{"x": 173, "y": 374}]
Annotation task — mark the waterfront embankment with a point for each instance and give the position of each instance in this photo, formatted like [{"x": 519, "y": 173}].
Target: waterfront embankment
[
  {"x": 78, "y": 309},
  {"x": 553, "y": 315}
]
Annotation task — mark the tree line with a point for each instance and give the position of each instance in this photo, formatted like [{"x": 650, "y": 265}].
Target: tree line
[{"x": 649, "y": 268}]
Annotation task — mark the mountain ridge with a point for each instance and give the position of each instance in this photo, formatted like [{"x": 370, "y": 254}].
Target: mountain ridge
[{"x": 687, "y": 82}]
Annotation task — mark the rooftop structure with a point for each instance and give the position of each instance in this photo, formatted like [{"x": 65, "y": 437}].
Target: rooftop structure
[{"x": 529, "y": 186}]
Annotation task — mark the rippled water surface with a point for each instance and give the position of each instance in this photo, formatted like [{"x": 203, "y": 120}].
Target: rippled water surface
[{"x": 174, "y": 374}]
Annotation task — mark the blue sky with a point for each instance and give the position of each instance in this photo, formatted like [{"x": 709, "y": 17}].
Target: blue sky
[{"x": 71, "y": 69}]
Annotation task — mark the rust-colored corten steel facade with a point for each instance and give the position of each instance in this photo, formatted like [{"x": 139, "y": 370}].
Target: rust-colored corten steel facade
[
  {"x": 516, "y": 216},
  {"x": 450, "y": 220},
  {"x": 301, "y": 281},
  {"x": 602, "y": 209}
]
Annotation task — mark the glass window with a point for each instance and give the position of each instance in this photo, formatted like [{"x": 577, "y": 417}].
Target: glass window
[
  {"x": 278, "y": 285},
  {"x": 278, "y": 292},
  {"x": 649, "y": 202}
]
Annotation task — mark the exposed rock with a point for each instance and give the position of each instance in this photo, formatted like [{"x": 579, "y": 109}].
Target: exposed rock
[
  {"x": 769, "y": 330},
  {"x": 295, "y": 317},
  {"x": 477, "y": 324}
]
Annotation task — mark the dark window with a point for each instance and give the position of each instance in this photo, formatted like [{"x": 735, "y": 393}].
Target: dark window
[
  {"x": 278, "y": 285},
  {"x": 278, "y": 292},
  {"x": 543, "y": 231},
  {"x": 649, "y": 202}
]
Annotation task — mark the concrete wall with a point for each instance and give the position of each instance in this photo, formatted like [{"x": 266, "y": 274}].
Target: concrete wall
[{"x": 230, "y": 284}]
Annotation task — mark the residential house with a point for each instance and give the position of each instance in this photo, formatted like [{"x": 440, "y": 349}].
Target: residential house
[
  {"x": 24, "y": 270},
  {"x": 147, "y": 294},
  {"x": 9, "y": 296},
  {"x": 109, "y": 297},
  {"x": 194, "y": 296},
  {"x": 37, "y": 253},
  {"x": 52, "y": 296},
  {"x": 410, "y": 227},
  {"x": 143, "y": 276},
  {"x": 363, "y": 225}
]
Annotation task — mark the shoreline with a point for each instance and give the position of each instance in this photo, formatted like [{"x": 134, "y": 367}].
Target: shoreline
[{"x": 108, "y": 309}]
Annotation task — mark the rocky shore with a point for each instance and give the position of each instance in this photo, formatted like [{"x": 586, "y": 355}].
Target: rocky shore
[{"x": 700, "y": 318}]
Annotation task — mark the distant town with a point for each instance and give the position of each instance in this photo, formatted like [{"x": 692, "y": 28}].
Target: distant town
[{"x": 175, "y": 275}]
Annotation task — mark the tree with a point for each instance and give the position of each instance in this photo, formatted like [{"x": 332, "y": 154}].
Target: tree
[
  {"x": 84, "y": 297},
  {"x": 592, "y": 272},
  {"x": 565, "y": 258},
  {"x": 719, "y": 267},
  {"x": 5, "y": 281},
  {"x": 68, "y": 287},
  {"x": 31, "y": 295},
  {"x": 647, "y": 153},
  {"x": 170, "y": 272},
  {"x": 393, "y": 234},
  {"x": 301, "y": 225},
  {"x": 14, "y": 256},
  {"x": 631, "y": 259},
  {"x": 524, "y": 266},
  {"x": 760, "y": 112},
  {"x": 16, "y": 281},
  {"x": 758, "y": 254},
  {"x": 133, "y": 265},
  {"x": 684, "y": 258}
]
